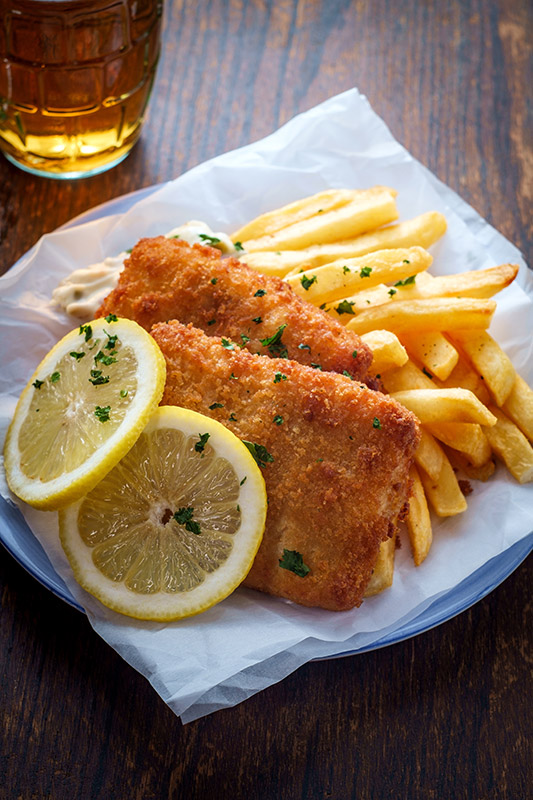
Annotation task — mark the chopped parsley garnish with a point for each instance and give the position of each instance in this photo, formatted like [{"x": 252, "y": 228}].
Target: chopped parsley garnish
[
  {"x": 259, "y": 452},
  {"x": 174, "y": 236},
  {"x": 260, "y": 293},
  {"x": 209, "y": 239},
  {"x": 316, "y": 366},
  {"x": 392, "y": 292},
  {"x": 278, "y": 419},
  {"x": 214, "y": 281},
  {"x": 274, "y": 344},
  {"x": 322, "y": 307},
  {"x": 346, "y": 269},
  {"x": 345, "y": 307},
  {"x": 87, "y": 330},
  {"x": 407, "y": 281},
  {"x": 233, "y": 377},
  {"x": 54, "y": 377},
  {"x": 307, "y": 282},
  {"x": 279, "y": 376},
  {"x": 405, "y": 261},
  {"x": 238, "y": 246},
  {"x": 123, "y": 392},
  {"x": 102, "y": 413},
  {"x": 354, "y": 354},
  {"x": 245, "y": 339},
  {"x": 293, "y": 561},
  {"x": 216, "y": 405},
  {"x": 365, "y": 272},
  {"x": 37, "y": 383},
  {"x": 183, "y": 516},
  {"x": 199, "y": 446},
  {"x": 257, "y": 320},
  {"x": 101, "y": 356},
  {"x": 304, "y": 347},
  {"x": 243, "y": 480},
  {"x": 227, "y": 344},
  {"x": 232, "y": 418},
  {"x": 129, "y": 250},
  {"x": 211, "y": 322},
  {"x": 376, "y": 423},
  {"x": 345, "y": 372},
  {"x": 111, "y": 340},
  {"x": 77, "y": 356},
  {"x": 111, "y": 317},
  {"x": 425, "y": 371},
  {"x": 97, "y": 379}
]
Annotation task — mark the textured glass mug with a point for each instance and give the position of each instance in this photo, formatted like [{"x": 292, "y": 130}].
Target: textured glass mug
[{"x": 75, "y": 79}]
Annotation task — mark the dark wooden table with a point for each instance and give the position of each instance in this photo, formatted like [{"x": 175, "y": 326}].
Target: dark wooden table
[{"x": 444, "y": 715}]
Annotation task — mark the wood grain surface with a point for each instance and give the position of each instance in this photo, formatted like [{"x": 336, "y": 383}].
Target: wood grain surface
[{"x": 444, "y": 715}]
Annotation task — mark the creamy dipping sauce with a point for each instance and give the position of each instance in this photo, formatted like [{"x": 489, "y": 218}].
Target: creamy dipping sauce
[{"x": 82, "y": 292}]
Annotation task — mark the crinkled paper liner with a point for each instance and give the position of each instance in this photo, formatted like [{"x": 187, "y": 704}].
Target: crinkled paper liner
[{"x": 251, "y": 640}]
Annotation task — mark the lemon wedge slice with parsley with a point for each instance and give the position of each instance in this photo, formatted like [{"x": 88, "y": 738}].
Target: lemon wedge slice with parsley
[
  {"x": 175, "y": 526},
  {"x": 82, "y": 410}
]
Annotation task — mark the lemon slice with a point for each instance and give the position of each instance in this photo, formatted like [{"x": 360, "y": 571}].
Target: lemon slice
[
  {"x": 82, "y": 410},
  {"x": 175, "y": 526}
]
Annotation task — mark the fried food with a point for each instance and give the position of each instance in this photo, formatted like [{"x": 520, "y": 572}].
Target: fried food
[
  {"x": 335, "y": 457},
  {"x": 168, "y": 279}
]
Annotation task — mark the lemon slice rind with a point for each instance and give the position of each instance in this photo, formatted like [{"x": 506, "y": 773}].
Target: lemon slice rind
[
  {"x": 217, "y": 585},
  {"x": 69, "y": 486}
]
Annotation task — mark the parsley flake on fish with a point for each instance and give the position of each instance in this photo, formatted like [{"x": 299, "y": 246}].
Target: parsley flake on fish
[{"x": 294, "y": 562}]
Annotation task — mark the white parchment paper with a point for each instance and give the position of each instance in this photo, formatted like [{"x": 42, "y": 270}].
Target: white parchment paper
[{"x": 252, "y": 640}]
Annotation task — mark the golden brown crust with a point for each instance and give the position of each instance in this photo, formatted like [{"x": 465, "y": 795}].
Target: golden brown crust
[
  {"x": 337, "y": 482},
  {"x": 168, "y": 279}
]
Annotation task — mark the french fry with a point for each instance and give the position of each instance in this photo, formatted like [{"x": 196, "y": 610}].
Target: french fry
[
  {"x": 444, "y": 494},
  {"x": 429, "y": 454},
  {"x": 384, "y": 570},
  {"x": 445, "y": 405},
  {"x": 440, "y": 314},
  {"x": 421, "y": 231},
  {"x": 387, "y": 351},
  {"x": 511, "y": 446},
  {"x": 459, "y": 461},
  {"x": 335, "y": 281},
  {"x": 408, "y": 376},
  {"x": 465, "y": 377},
  {"x": 418, "y": 520},
  {"x": 480, "y": 283},
  {"x": 368, "y": 210},
  {"x": 273, "y": 221},
  {"x": 466, "y": 437},
  {"x": 432, "y": 350},
  {"x": 519, "y": 406},
  {"x": 494, "y": 366}
]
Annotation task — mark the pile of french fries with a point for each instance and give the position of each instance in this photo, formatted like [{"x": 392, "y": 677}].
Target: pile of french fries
[{"x": 428, "y": 336}]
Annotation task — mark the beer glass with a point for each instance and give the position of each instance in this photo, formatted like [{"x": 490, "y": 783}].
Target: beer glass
[{"x": 75, "y": 79}]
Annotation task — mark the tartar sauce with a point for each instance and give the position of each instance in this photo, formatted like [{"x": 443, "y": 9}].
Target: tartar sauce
[{"x": 82, "y": 292}]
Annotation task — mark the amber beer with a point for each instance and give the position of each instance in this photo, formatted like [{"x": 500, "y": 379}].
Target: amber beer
[{"x": 75, "y": 79}]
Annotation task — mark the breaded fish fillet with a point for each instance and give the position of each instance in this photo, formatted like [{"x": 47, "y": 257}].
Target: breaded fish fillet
[
  {"x": 168, "y": 279},
  {"x": 340, "y": 455}
]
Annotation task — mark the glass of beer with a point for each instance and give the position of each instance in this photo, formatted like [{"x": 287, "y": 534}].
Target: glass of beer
[{"x": 75, "y": 79}]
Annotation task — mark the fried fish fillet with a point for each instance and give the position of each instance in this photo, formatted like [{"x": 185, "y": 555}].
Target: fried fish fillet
[
  {"x": 168, "y": 279},
  {"x": 340, "y": 455}
]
